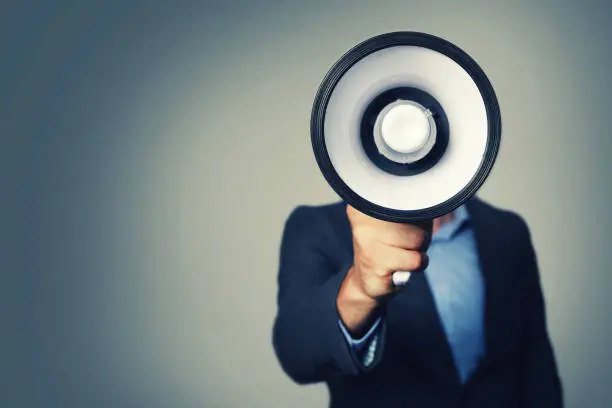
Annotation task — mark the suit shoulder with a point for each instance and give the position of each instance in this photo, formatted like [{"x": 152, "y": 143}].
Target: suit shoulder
[
  {"x": 506, "y": 218},
  {"x": 316, "y": 213},
  {"x": 328, "y": 222}
]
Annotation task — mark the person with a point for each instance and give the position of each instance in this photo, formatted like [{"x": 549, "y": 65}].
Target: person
[{"x": 468, "y": 329}]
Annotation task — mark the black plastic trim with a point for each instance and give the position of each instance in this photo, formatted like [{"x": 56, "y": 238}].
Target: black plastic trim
[{"x": 405, "y": 38}]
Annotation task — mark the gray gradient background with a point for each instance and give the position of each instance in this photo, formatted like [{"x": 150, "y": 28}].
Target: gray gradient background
[{"x": 151, "y": 152}]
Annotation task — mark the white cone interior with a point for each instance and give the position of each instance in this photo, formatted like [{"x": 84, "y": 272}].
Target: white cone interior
[{"x": 424, "y": 69}]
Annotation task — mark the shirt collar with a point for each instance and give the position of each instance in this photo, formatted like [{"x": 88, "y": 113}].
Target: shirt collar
[{"x": 448, "y": 230}]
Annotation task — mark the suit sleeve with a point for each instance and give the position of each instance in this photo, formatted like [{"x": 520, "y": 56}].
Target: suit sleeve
[
  {"x": 541, "y": 385},
  {"x": 307, "y": 338}
]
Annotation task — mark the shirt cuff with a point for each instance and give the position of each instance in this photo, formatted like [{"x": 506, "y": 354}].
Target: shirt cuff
[{"x": 360, "y": 343}]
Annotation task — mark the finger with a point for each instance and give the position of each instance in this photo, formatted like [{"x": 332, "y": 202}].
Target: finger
[
  {"x": 412, "y": 261},
  {"x": 401, "y": 235},
  {"x": 399, "y": 279},
  {"x": 406, "y": 236},
  {"x": 426, "y": 229},
  {"x": 357, "y": 217},
  {"x": 397, "y": 259}
]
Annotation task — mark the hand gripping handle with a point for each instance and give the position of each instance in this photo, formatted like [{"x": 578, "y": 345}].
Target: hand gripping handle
[{"x": 401, "y": 278}]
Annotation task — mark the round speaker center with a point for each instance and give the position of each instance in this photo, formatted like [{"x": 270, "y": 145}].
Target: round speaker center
[
  {"x": 405, "y": 128},
  {"x": 405, "y": 131}
]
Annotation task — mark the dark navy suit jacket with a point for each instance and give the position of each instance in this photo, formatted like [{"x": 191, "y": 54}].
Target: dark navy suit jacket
[{"x": 413, "y": 366}]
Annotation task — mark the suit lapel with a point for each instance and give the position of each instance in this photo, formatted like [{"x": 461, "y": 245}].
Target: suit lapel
[
  {"x": 415, "y": 330},
  {"x": 494, "y": 261}
]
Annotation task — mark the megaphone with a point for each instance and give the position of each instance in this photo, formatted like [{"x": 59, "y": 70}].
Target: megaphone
[{"x": 405, "y": 127}]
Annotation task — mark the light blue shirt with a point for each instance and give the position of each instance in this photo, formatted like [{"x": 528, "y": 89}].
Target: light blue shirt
[{"x": 456, "y": 283}]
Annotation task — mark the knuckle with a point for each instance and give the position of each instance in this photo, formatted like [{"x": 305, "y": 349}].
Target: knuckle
[{"x": 413, "y": 260}]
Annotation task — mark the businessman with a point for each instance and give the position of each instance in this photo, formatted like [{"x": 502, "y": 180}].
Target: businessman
[{"x": 467, "y": 330}]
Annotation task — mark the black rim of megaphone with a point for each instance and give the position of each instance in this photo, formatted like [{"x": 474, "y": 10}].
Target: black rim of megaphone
[{"x": 317, "y": 122}]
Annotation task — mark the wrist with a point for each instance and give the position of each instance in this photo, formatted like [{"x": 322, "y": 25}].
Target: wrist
[{"x": 356, "y": 308}]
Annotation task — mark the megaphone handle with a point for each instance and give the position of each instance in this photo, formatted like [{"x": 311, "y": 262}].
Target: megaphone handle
[{"x": 401, "y": 278}]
